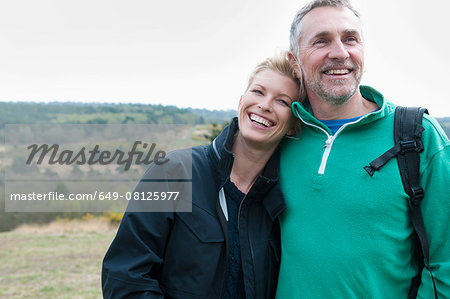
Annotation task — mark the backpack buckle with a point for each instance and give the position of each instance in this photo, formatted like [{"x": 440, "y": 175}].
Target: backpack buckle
[
  {"x": 408, "y": 145},
  {"x": 417, "y": 194}
]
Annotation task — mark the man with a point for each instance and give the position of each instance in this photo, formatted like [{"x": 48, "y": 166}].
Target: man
[{"x": 346, "y": 234}]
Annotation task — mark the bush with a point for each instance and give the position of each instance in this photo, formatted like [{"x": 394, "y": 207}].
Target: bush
[{"x": 113, "y": 217}]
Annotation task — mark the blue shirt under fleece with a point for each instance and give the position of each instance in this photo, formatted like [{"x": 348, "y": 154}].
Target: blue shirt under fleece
[{"x": 335, "y": 124}]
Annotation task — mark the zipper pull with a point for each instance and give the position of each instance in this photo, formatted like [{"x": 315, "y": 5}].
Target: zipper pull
[{"x": 329, "y": 141}]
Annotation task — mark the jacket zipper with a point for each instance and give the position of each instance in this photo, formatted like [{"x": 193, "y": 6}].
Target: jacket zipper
[
  {"x": 329, "y": 142},
  {"x": 251, "y": 249},
  {"x": 248, "y": 232},
  {"x": 224, "y": 280},
  {"x": 248, "y": 238},
  {"x": 326, "y": 152},
  {"x": 239, "y": 211}
]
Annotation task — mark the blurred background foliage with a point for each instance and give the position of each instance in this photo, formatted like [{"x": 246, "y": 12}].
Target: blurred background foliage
[{"x": 206, "y": 125}]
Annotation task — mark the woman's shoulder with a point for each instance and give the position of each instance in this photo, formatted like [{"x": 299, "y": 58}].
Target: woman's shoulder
[{"x": 181, "y": 160}]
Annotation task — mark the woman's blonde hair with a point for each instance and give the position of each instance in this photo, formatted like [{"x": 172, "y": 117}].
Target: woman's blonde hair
[{"x": 280, "y": 63}]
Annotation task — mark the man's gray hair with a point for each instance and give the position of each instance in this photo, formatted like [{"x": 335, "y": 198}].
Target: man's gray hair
[{"x": 296, "y": 28}]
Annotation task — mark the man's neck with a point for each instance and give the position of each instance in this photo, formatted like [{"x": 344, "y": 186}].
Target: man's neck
[{"x": 354, "y": 107}]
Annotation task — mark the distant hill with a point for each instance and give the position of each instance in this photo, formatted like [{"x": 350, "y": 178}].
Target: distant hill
[
  {"x": 67, "y": 112},
  {"x": 445, "y": 124},
  {"x": 99, "y": 113}
]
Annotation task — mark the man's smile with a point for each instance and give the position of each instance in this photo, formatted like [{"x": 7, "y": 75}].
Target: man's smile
[{"x": 338, "y": 72}]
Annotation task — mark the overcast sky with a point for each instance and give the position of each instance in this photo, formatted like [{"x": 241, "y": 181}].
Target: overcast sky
[{"x": 199, "y": 53}]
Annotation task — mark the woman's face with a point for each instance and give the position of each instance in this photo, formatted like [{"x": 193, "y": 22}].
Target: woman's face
[{"x": 265, "y": 115}]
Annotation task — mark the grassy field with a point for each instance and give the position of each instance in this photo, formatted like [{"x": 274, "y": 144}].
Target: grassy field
[{"x": 61, "y": 260}]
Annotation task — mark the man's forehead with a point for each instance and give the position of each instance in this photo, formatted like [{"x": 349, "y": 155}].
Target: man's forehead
[{"x": 326, "y": 20}]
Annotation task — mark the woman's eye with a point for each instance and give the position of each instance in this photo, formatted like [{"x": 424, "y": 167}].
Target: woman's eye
[
  {"x": 257, "y": 91},
  {"x": 283, "y": 102}
]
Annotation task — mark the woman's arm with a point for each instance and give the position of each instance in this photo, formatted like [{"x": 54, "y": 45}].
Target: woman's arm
[{"x": 132, "y": 265}]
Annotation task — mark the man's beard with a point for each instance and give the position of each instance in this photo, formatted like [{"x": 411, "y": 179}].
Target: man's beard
[{"x": 331, "y": 94}]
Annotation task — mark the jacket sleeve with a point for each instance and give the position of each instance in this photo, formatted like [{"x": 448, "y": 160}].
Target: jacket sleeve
[
  {"x": 132, "y": 265},
  {"x": 435, "y": 177}
]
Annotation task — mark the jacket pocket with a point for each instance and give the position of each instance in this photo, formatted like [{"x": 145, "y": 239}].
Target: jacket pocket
[
  {"x": 194, "y": 255},
  {"x": 203, "y": 225}
]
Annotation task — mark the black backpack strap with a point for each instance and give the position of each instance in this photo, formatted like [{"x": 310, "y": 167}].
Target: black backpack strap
[
  {"x": 408, "y": 144},
  {"x": 408, "y": 132},
  {"x": 407, "y": 138}
]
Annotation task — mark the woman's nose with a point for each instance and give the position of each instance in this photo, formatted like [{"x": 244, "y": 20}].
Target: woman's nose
[{"x": 265, "y": 104}]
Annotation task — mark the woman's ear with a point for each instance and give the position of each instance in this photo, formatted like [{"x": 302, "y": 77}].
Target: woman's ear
[
  {"x": 240, "y": 103},
  {"x": 292, "y": 131},
  {"x": 296, "y": 128}
]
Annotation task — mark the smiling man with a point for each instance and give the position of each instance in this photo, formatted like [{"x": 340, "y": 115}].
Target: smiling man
[{"x": 346, "y": 233}]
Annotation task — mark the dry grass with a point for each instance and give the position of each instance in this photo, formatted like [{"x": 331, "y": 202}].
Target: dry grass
[
  {"x": 59, "y": 260},
  {"x": 99, "y": 225}
]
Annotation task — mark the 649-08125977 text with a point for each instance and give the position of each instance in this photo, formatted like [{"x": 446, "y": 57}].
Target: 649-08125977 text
[{"x": 56, "y": 196}]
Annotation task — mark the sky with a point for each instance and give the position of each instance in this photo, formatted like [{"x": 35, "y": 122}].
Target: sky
[{"x": 199, "y": 53}]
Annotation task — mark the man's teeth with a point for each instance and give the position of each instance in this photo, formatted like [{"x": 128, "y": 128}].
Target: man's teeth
[
  {"x": 337, "y": 72},
  {"x": 260, "y": 120}
]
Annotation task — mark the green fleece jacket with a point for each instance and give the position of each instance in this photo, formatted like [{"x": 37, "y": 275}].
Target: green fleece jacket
[{"x": 346, "y": 234}]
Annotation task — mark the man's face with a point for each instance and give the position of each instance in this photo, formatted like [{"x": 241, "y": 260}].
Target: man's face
[{"x": 331, "y": 54}]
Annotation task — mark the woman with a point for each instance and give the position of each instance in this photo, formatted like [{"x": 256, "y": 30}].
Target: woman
[{"x": 228, "y": 246}]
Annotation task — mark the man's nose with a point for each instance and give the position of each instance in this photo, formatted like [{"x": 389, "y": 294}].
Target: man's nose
[{"x": 338, "y": 50}]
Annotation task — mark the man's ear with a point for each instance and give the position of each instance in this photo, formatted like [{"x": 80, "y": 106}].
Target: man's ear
[
  {"x": 295, "y": 63},
  {"x": 291, "y": 56}
]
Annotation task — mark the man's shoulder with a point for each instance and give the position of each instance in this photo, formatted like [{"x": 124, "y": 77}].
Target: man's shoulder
[
  {"x": 433, "y": 136},
  {"x": 431, "y": 125}
]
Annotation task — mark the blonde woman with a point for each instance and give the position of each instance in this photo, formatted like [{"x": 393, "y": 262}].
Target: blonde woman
[{"x": 229, "y": 245}]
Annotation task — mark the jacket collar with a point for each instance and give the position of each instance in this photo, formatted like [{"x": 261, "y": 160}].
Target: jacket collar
[
  {"x": 305, "y": 113},
  {"x": 219, "y": 152}
]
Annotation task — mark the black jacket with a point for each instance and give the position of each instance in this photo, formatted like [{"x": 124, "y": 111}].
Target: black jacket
[{"x": 184, "y": 255}]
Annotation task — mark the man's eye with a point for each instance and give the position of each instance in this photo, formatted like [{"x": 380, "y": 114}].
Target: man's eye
[
  {"x": 319, "y": 42},
  {"x": 351, "y": 40}
]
